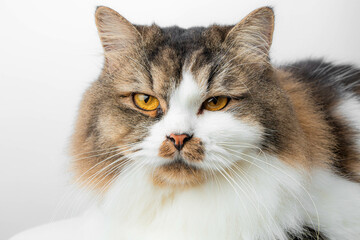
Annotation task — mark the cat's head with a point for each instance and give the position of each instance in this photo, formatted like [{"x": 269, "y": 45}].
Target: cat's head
[{"x": 183, "y": 103}]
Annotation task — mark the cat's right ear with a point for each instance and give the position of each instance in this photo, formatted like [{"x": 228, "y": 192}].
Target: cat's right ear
[{"x": 116, "y": 33}]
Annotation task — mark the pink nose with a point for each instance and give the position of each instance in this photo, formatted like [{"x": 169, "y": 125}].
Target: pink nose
[{"x": 179, "y": 140}]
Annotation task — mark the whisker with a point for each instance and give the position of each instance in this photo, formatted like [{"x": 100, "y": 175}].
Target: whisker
[
  {"x": 222, "y": 171},
  {"x": 98, "y": 150},
  {"x": 76, "y": 191},
  {"x": 249, "y": 198},
  {"x": 287, "y": 175}
]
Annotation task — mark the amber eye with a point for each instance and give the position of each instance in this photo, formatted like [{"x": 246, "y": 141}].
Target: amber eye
[
  {"x": 145, "y": 102},
  {"x": 215, "y": 103}
]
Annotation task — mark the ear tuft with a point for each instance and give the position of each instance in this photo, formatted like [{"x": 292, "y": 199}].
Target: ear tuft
[
  {"x": 253, "y": 33},
  {"x": 116, "y": 33}
]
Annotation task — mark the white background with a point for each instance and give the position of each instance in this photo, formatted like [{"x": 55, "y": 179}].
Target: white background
[{"x": 50, "y": 52}]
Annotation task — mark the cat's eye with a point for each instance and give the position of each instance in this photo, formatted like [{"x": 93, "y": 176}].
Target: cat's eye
[
  {"x": 145, "y": 102},
  {"x": 215, "y": 103}
]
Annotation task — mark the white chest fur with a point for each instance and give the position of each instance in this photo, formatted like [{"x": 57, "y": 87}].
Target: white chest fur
[
  {"x": 261, "y": 204},
  {"x": 259, "y": 201}
]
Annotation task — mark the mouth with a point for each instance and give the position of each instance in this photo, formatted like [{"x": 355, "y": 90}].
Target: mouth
[
  {"x": 179, "y": 164},
  {"x": 178, "y": 174}
]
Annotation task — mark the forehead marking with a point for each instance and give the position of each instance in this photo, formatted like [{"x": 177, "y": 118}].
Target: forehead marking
[
  {"x": 184, "y": 105},
  {"x": 189, "y": 93}
]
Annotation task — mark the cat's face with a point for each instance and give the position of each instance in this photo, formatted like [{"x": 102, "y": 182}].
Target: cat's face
[{"x": 184, "y": 104}]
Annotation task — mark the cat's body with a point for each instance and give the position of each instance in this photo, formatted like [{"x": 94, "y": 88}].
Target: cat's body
[{"x": 275, "y": 155}]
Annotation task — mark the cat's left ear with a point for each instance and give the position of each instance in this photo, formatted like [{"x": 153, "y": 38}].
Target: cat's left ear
[{"x": 252, "y": 36}]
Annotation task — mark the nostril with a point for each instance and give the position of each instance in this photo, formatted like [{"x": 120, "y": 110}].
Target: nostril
[
  {"x": 187, "y": 138},
  {"x": 179, "y": 140},
  {"x": 171, "y": 139}
]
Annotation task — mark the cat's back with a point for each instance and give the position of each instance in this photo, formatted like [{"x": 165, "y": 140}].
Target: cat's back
[
  {"x": 334, "y": 90},
  {"x": 329, "y": 82}
]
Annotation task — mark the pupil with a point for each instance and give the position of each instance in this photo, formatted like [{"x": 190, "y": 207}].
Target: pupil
[
  {"x": 214, "y": 100},
  {"x": 146, "y": 98}
]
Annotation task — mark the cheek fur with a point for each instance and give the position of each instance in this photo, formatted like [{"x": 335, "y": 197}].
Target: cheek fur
[{"x": 226, "y": 138}]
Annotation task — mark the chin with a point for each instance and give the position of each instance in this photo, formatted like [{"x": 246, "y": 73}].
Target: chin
[{"x": 178, "y": 174}]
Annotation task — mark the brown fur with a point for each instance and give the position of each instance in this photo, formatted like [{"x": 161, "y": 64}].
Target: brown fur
[
  {"x": 167, "y": 149},
  {"x": 193, "y": 150},
  {"x": 312, "y": 143},
  {"x": 178, "y": 175}
]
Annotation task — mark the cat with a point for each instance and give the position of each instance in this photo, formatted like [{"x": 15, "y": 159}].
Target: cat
[{"x": 193, "y": 134}]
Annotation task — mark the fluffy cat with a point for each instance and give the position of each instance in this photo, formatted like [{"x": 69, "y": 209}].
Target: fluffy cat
[{"x": 192, "y": 134}]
